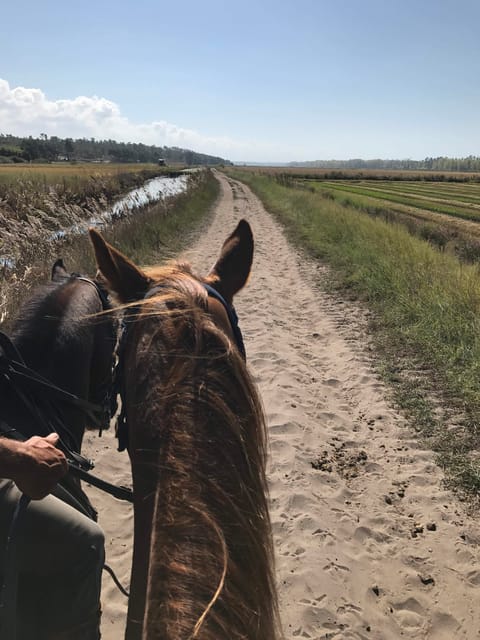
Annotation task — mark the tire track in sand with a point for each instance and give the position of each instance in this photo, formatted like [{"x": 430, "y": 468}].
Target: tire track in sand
[{"x": 368, "y": 543}]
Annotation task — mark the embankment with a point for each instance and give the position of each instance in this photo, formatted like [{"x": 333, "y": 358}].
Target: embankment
[{"x": 32, "y": 238}]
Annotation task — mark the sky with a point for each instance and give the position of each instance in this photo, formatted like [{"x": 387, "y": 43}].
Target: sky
[{"x": 250, "y": 81}]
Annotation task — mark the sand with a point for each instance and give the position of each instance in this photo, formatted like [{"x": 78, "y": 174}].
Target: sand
[{"x": 369, "y": 545}]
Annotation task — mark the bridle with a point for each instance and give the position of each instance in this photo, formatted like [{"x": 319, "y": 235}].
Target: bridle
[{"x": 232, "y": 316}]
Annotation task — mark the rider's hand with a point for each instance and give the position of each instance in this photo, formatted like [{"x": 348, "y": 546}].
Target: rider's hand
[{"x": 40, "y": 466}]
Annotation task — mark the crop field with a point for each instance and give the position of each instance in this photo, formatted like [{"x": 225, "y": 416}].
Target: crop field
[
  {"x": 455, "y": 199},
  {"x": 443, "y": 208}
]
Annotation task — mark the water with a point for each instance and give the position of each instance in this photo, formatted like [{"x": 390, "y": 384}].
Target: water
[
  {"x": 151, "y": 192},
  {"x": 7, "y": 262}
]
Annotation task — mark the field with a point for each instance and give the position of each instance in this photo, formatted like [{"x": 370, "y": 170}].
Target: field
[
  {"x": 57, "y": 173},
  {"x": 73, "y": 182},
  {"x": 459, "y": 200},
  {"x": 443, "y": 208},
  {"x": 363, "y": 174},
  {"x": 38, "y": 201},
  {"x": 424, "y": 299}
]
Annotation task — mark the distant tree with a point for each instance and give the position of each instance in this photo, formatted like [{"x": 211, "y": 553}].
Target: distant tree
[{"x": 69, "y": 147}]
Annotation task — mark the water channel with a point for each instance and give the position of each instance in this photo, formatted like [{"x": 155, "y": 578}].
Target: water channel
[{"x": 152, "y": 192}]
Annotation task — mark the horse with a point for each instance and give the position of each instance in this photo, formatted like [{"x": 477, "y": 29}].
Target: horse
[
  {"x": 203, "y": 556},
  {"x": 63, "y": 343}
]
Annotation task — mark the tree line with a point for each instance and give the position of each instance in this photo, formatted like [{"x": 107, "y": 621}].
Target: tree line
[
  {"x": 52, "y": 148},
  {"x": 441, "y": 163}
]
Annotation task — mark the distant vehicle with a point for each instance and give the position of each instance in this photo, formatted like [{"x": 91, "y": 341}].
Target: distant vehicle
[{"x": 161, "y": 162}]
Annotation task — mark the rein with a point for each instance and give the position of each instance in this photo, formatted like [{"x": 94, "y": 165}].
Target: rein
[
  {"x": 78, "y": 465},
  {"x": 17, "y": 371},
  {"x": 29, "y": 384}
]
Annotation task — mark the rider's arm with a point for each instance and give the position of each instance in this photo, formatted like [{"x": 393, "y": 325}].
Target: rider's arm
[{"x": 35, "y": 465}]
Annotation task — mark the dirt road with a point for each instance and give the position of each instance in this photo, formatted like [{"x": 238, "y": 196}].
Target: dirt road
[{"x": 368, "y": 543}]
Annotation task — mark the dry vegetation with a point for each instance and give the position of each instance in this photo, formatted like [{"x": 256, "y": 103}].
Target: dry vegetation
[
  {"x": 38, "y": 201},
  {"x": 34, "y": 214},
  {"x": 366, "y": 174},
  {"x": 60, "y": 173}
]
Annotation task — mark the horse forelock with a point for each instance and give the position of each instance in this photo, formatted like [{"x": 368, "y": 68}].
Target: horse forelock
[{"x": 193, "y": 406}]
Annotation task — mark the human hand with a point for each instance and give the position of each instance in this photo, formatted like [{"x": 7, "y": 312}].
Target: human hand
[{"x": 40, "y": 466}]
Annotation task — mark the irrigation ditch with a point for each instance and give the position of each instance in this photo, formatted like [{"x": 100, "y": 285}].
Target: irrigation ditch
[{"x": 150, "y": 222}]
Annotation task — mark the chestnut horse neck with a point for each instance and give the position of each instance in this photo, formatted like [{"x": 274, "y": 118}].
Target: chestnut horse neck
[{"x": 197, "y": 444}]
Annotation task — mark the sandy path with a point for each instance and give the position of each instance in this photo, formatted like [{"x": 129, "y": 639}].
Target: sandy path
[{"x": 349, "y": 561}]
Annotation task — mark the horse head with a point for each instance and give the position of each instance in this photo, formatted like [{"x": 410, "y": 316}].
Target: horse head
[{"x": 203, "y": 560}]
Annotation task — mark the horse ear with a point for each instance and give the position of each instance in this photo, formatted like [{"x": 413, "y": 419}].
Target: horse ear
[
  {"x": 59, "y": 273},
  {"x": 122, "y": 276},
  {"x": 230, "y": 272}
]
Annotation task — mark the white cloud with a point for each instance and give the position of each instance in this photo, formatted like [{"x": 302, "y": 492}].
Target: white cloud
[{"x": 26, "y": 112}]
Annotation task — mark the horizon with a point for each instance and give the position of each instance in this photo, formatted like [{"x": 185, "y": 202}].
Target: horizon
[
  {"x": 270, "y": 83},
  {"x": 255, "y": 163}
]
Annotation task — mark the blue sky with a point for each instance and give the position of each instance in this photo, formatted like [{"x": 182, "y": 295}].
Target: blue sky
[{"x": 256, "y": 80}]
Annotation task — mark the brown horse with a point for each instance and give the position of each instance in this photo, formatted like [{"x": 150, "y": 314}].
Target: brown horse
[
  {"x": 203, "y": 558},
  {"x": 62, "y": 335}
]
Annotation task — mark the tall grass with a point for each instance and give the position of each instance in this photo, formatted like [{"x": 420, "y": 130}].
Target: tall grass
[
  {"x": 48, "y": 187},
  {"x": 44, "y": 175},
  {"x": 426, "y": 304},
  {"x": 151, "y": 235},
  {"x": 162, "y": 231},
  {"x": 455, "y": 233}
]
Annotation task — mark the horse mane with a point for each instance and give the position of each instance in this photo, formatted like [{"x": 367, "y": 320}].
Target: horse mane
[{"x": 189, "y": 393}]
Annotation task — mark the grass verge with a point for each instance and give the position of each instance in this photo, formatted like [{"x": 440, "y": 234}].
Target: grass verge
[{"x": 426, "y": 306}]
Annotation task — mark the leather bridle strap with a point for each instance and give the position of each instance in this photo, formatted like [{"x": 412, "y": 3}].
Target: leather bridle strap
[
  {"x": 29, "y": 377},
  {"x": 119, "y": 492},
  {"x": 232, "y": 316}
]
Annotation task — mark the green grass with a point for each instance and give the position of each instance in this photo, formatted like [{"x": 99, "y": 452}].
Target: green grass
[
  {"x": 459, "y": 210},
  {"x": 452, "y": 233},
  {"x": 426, "y": 304},
  {"x": 463, "y": 193}
]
